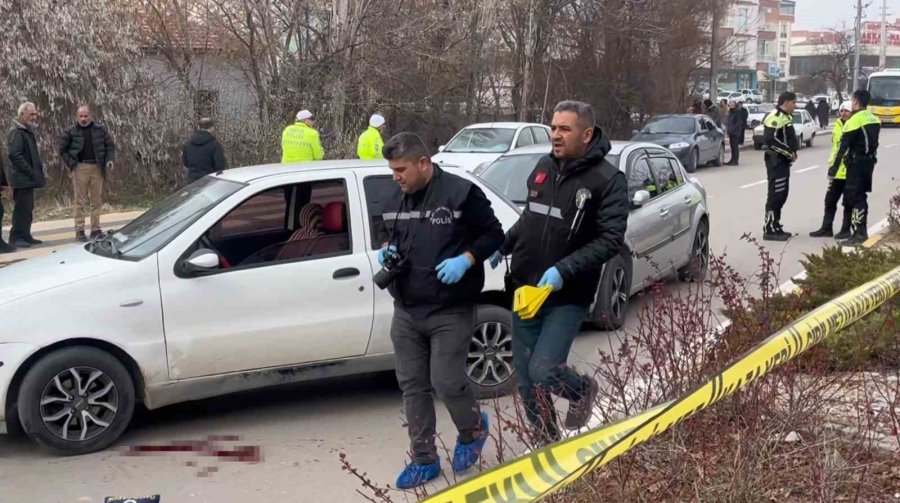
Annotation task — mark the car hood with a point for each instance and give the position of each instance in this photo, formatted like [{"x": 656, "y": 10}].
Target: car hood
[
  {"x": 63, "y": 267},
  {"x": 464, "y": 160},
  {"x": 663, "y": 139}
]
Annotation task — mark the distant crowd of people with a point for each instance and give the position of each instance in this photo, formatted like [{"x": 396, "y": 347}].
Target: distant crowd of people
[{"x": 731, "y": 116}]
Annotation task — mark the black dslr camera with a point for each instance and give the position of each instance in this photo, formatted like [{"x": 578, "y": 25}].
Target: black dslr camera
[{"x": 394, "y": 263}]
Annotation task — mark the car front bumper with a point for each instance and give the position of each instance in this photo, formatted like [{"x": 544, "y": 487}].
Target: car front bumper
[
  {"x": 12, "y": 355},
  {"x": 683, "y": 155}
]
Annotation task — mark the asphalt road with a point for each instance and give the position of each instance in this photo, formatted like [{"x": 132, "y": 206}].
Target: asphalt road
[{"x": 301, "y": 430}]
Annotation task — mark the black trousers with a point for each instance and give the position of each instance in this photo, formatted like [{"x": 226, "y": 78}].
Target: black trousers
[
  {"x": 778, "y": 173},
  {"x": 836, "y": 189},
  {"x": 23, "y": 214},
  {"x": 735, "y": 140},
  {"x": 856, "y": 198}
]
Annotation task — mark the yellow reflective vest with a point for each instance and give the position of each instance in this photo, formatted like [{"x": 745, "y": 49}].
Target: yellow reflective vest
[
  {"x": 835, "y": 145},
  {"x": 369, "y": 145},
  {"x": 300, "y": 143}
]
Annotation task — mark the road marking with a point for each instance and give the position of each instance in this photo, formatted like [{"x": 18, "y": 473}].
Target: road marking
[
  {"x": 804, "y": 170},
  {"x": 892, "y": 145},
  {"x": 754, "y": 184}
]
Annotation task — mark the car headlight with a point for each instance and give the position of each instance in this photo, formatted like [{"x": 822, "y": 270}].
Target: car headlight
[{"x": 679, "y": 145}]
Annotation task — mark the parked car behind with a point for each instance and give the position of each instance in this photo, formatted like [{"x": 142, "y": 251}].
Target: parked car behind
[
  {"x": 694, "y": 139},
  {"x": 752, "y": 95},
  {"x": 804, "y": 127},
  {"x": 480, "y": 143},
  {"x": 668, "y": 226},
  {"x": 756, "y": 113},
  {"x": 223, "y": 286}
]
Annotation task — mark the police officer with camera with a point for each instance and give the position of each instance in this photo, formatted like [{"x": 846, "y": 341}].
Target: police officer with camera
[{"x": 441, "y": 229}]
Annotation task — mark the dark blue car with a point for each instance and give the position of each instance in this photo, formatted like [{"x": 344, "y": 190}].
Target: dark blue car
[{"x": 694, "y": 139}]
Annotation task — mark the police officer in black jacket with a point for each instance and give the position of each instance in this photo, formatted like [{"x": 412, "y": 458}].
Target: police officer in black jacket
[
  {"x": 574, "y": 222},
  {"x": 441, "y": 229}
]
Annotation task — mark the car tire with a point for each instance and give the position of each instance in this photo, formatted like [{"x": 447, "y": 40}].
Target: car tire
[
  {"x": 613, "y": 294},
  {"x": 809, "y": 143},
  {"x": 720, "y": 158},
  {"x": 698, "y": 264},
  {"x": 70, "y": 381},
  {"x": 691, "y": 166},
  {"x": 489, "y": 365},
  {"x": 801, "y": 142}
]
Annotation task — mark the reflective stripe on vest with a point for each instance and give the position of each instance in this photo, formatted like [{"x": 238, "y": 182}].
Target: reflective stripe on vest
[{"x": 543, "y": 209}]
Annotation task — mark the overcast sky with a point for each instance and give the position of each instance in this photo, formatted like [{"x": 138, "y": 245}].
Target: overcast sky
[{"x": 820, "y": 14}]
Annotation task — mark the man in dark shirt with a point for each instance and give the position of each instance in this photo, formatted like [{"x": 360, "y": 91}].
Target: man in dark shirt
[
  {"x": 202, "y": 154},
  {"x": 88, "y": 151}
]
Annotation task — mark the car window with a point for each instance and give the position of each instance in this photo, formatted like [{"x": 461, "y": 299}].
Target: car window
[
  {"x": 640, "y": 177},
  {"x": 664, "y": 173},
  {"x": 379, "y": 190},
  {"x": 676, "y": 168},
  {"x": 509, "y": 175},
  {"x": 481, "y": 140},
  {"x": 291, "y": 222},
  {"x": 670, "y": 125},
  {"x": 525, "y": 138},
  {"x": 540, "y": 135}
]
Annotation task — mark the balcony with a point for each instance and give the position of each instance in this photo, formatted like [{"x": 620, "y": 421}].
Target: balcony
[{"x": 766, "y": 35}]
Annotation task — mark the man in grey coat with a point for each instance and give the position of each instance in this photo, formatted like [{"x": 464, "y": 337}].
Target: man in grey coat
[{"x": 26, "y": 173}]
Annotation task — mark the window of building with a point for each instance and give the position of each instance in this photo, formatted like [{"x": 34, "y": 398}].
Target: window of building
[
  {"x": 782, "y": 50},
  {"x": 743, "y": 19},
  {"x": 784, "y": 31},
  {"x": 787, "y": 8},
  {"x": 741, "y": 52}
]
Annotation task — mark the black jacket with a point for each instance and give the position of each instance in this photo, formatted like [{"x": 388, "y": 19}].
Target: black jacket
[
  {"x": 72, "y": 143},
  {"x": 745, "y": 115},
  {"x": 734, "y": 123},
  {"x": 547, "y": 234},
  {"x": 202, "y": 155},
  {"x": 26, "y": 170},
  {"x": 447, "y": 218},
  {"x": 824, "y": 110}
]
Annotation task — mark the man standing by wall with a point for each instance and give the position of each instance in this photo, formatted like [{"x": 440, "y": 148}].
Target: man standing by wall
[
  {"x": 300, "y": 141},
  {"x": 370, "y": 142},
  {"x": 202, "y": 154},
  {"x": 442, "y": 231},
  {"x": 780, "y": 137},
  {"x": 88, "y": 151},
  {"x": 574, "y": 222},
  {"x": 26, "y": 173},
  {"x": 859, "y": 145}
]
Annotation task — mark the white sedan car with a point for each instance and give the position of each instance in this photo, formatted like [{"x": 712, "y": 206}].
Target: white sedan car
[
  {"x": 483, "y": 143},
  {"x": 217, "y": 289},
  {"x": 804, "y": 127}
]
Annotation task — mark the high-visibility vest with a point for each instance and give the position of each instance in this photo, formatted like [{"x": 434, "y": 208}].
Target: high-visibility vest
[
  {"x": 300, "y": 143},
  {"x": 835, "y": 144},
  {"x": 369, "y": 145}
]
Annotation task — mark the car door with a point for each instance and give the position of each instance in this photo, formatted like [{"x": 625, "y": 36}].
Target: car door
[
  {"x": 706, "y": 140},
  {"x": 649, "y": 225},
  {"x": 681, "y": 202},
  {"x": 306, "y": 299}
]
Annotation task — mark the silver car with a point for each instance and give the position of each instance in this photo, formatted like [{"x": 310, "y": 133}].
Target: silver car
[{"x": 668, "y": 227}]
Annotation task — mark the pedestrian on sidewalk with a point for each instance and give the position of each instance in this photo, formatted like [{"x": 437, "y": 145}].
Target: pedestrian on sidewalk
[
  {"x": 780, "y": 137},
  {"x": 837, "y": 183},
  {"x": 859, "y": 147},
  {"x": 734, "y": 126},
  {"x": 824, "y": 110},
  {"x": 88, "y": 151},
  {"x": 202, "y": 153},
  {"x": 712, "y": 111},
  {"x": 574, "y": 222},
  {"x": 745, "y": 116},
  {"x": 26, "y": 173},
  {"x": 723, "y": 109},
  {"x": 435, "y": 281}
]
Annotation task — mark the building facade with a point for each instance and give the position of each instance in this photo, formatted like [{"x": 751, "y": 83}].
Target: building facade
[{"x": 773, "y": 45}]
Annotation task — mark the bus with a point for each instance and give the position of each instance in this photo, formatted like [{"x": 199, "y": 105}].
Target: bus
[{"x": 885, "y": 90}]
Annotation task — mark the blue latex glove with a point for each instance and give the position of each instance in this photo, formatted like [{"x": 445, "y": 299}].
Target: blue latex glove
[
  {"x": 495, "y": 259},
  {"x": 382, "y": 251},
  {"x": 551, "y": 277},
  {"x": 451, "y": 270}
]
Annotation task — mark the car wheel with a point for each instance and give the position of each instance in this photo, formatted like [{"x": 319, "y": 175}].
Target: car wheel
[
  {"x": 691, "y": 166},
  {"x": 801, "y": 141},
  {"x": 720, "y": 158},
  {"x": 76, "y": 400},
  {"x": 612, "y": 295},
  {"x": 810, "y": 142},
  {"x": 696, "y": 268},
  {"x": 489, "y": 364}
]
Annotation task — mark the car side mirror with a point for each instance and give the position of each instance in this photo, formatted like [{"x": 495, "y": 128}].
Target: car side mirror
[
  {"x": 441, "y": 148},
  {"x": 640, "y": 198},
  {"x": 201, "y": 261}
]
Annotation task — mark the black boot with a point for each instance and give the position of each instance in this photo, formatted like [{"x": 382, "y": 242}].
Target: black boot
[
  {"x": 6, "y": 248},
  {"x": 772, "y": 231},
  {"x": 859, "y": 233},
  {"x": 845, "y": 230}
]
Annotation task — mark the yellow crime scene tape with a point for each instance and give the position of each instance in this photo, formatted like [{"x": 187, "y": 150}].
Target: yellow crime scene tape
[{"x": 542, "y": 472}]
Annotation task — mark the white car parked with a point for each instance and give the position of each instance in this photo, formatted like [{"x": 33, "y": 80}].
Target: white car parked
[
  {"x": 217, "y": 289},
  {"x": 752, "y": 95},
  {"x": 483, "y": 143},
  {"x": 804, "y": 128},
  {"x": 734, "y": 97}
]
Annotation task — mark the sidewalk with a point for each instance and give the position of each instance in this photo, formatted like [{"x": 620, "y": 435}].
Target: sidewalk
[{"x": 57, "y": 233}]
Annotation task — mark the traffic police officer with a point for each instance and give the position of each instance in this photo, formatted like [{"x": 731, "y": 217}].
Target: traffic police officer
[
  {"x": 440, "y": 229},
  {"x": 370, "y": 142},
  {"x": 300, "y": 141},
  {"x": 859, "y": 149},
  {"x": 836, "y": 183},
  {"x": 781, "y": 139}
]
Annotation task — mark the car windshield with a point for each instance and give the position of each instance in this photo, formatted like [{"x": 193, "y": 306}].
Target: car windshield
[
  {"x": 481, "y": 140},
  {"x": 508, "y": 174},
  {"x": 149, "y": 232},
  {"x": 670, "y": 125},
  {"x": 885, "y": 90},
  {"x": 798, "y": 118}
]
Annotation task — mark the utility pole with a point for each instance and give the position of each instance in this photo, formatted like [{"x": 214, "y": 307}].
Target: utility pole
[
  {"x": 856, "y": 42},
  {"x": 882, "y": 61},
  {"x": 714, "y": 55}
]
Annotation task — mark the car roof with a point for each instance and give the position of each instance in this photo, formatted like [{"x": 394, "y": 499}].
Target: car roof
[
  {"x": 694, "y": 116},
  {"x": 502, "y": 125}
]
